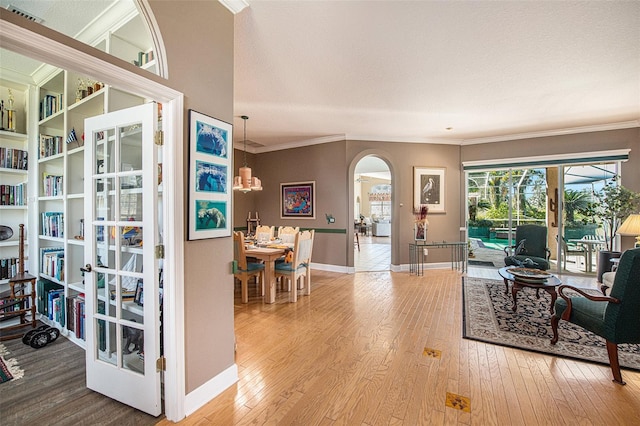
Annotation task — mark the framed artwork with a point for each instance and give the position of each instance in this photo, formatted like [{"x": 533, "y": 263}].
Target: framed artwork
[
  {"x": 210, "y": 155},
  {"x": 298, "y": 200},
  {"x": 428, "y": 188}
]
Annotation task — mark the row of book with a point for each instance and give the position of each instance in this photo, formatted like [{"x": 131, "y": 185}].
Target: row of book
[
  {"x": 144, "y": 58},
  {"x": 50, "y": 145},
  {"x": 13, "y": 158},
  {"x": 52, "y": 262},
  {"x": 13, "y": 195},
  {"x": 50, "y": 105},
  {"x": 10, "y": 304},
  {"x": 9, "y": 267},
  {"x": 44, "y": 302},
  {"x": 51, "y": 185},
  {"x": 53, "y": 224}
]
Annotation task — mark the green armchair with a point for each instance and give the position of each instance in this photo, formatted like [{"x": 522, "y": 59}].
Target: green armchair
[
  {"x": 531, "y": 243},
  {"x": 614, "y": 318}
]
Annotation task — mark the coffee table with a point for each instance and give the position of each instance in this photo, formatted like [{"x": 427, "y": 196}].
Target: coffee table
[{"x": 549, "y": 285}]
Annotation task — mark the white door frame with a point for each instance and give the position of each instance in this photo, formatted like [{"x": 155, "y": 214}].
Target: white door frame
[{"x": 31, "y": 40}]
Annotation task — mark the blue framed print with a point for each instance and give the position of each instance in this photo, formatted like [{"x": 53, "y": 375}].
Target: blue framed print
[{"x": 210, "y": 154}]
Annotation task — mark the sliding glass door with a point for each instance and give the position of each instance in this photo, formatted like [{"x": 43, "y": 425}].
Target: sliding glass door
[{"x": 557, "y": 196}]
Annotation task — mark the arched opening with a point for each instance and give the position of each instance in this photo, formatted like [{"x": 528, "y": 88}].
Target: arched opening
[{"x": 372, "y": 189}]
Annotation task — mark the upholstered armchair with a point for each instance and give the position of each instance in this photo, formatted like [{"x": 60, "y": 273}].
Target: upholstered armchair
[
  {"x": 531, "y": 243},
  {"x": 614, "y": 318}
]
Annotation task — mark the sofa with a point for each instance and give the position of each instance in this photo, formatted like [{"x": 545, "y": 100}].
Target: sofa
[{"x": 382, "y": 228}]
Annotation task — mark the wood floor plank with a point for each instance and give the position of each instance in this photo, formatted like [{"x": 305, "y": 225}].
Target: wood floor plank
[{"x": 352, "y": 353}]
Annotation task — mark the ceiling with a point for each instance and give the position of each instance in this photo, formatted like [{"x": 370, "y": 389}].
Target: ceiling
[
  {"x": 455, "y": 72},
  {"x": 433, "y": 71}
]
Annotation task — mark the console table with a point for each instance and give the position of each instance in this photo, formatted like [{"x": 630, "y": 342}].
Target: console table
[{"x": 458, "y": 254}]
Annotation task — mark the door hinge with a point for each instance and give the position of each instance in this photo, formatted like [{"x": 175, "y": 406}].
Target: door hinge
[
  {"x": 160, "y": 251},
  {"x": 159, "y": 138},
  {"x": 161, "y": 364}
]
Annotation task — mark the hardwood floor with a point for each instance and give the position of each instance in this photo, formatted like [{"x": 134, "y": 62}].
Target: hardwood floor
[
  {"x": 53, "y": 390},
  {"x": 376, "y": 348}
]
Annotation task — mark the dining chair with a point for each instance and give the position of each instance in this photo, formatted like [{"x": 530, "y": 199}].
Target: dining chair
[
  {"x": 572, "y": 250},
  {"x": 243, "y": 269},
  {"x": 287, "y": 234},
  {"x": 264, "y": 233},
  {"x": 299, "y": 267}
]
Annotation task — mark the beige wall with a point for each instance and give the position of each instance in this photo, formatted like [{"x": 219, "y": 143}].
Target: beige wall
[
  {"x": 198, "y": 38},
  {"x": 333, "y": 167}
]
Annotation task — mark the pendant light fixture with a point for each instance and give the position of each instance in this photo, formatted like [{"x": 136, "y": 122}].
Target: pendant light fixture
[{"x": 244, "y": 182}]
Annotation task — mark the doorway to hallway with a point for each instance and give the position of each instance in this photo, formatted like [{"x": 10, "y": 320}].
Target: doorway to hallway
[{"x": 372, "y": 215}]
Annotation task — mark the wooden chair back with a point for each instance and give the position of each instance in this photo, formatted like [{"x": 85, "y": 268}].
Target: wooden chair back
[
  {"x": 239, "y": 253},
  {"x": 264, "y": 233},
  {"x": 287, "y": 233}
]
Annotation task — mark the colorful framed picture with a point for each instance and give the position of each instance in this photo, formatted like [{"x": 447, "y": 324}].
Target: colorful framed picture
[
  {"x": 210, "y": 156},
  {"x": 428, "y": 188},
  {"x": 298, "y": 200}
]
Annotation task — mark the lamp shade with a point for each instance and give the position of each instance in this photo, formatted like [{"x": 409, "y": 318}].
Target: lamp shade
[
  {"x": 245, "y": 182},
  {"x": 631, "y": 227}
]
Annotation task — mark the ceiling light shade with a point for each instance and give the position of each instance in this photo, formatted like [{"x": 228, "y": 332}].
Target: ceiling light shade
[
  {"x": 245, "y": 182},
  {"x": 631, "y": 228}
]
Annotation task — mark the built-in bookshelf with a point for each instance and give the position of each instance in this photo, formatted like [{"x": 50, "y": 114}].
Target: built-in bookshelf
[
  {"x": 60, "y": 153},
  {"x": 14, "y": 169}
]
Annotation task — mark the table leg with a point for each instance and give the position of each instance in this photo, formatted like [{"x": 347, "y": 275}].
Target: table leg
[
  {"x": 514, "y": 292},
  {"x": 270, "y": 284},
  {"x": 506, "y": 286}
]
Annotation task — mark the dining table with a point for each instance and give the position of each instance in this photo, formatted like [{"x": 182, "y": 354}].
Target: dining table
[
  {"x": 269, "y": 255},
  {"x": 590, "y": 245}
]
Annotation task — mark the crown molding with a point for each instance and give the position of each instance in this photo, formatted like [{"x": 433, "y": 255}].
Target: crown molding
[
  {"x": 556, "y": 132},
  {"x": 235, "y": 6}
]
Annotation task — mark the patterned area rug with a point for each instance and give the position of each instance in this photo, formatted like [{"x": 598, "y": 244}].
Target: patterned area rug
[
  {"x": 487, "y": 317},
  {"x": 9, "y": 368}
]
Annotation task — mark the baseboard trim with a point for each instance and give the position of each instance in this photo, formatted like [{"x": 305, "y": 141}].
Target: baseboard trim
[{"x": 214, "y": 387}]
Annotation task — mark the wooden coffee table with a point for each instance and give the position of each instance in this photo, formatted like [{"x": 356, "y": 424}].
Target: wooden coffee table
[{"x": 549, "y": 285}]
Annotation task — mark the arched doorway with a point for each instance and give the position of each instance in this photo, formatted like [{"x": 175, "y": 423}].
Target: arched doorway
[{"x": 372, "y": 214}]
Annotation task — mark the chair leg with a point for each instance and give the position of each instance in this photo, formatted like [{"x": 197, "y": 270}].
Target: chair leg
[
  {"x": 554, "y": 327},
  {"x": 357, "y": 241},
  {"x": 612, "y": 350},
  {"x": 245, "y": 290}
]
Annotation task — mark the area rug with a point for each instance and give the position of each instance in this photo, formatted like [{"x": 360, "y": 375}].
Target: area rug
[
  {"x": 9, "y": 368},
  {"x": 480, "y": 263},
  {"x": 487, "y": 317}
]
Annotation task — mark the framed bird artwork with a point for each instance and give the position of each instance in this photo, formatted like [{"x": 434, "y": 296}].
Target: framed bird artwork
[{"x": 428, "y": 188}]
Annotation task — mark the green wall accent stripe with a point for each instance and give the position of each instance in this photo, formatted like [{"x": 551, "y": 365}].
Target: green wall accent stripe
[{"x": 318, "y": 230}]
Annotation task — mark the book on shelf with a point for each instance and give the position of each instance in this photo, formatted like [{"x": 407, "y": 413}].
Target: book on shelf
[
  {"x": 52, "y": 262},
  {"x": 50, "y": 145},
  {"x": 50, "y": 104},
  {"x": 51, "y": 185},
  {"x": 43, "y": 287},
  {"x": 13, "y": 195},
  {"x": 53, "y": 224},
  {"x": 9, "y": 267},
  {"x": 13, "y": 158}
]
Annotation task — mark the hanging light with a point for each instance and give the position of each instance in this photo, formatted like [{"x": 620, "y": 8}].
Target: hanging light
[{"x": 245, "y": 182}]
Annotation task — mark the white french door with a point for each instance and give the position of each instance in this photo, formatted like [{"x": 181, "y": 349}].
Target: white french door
[{"x": 121, "y": 272}]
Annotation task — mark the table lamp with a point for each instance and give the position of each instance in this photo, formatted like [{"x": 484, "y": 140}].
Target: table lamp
[{"x": 631, "y": 228}]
